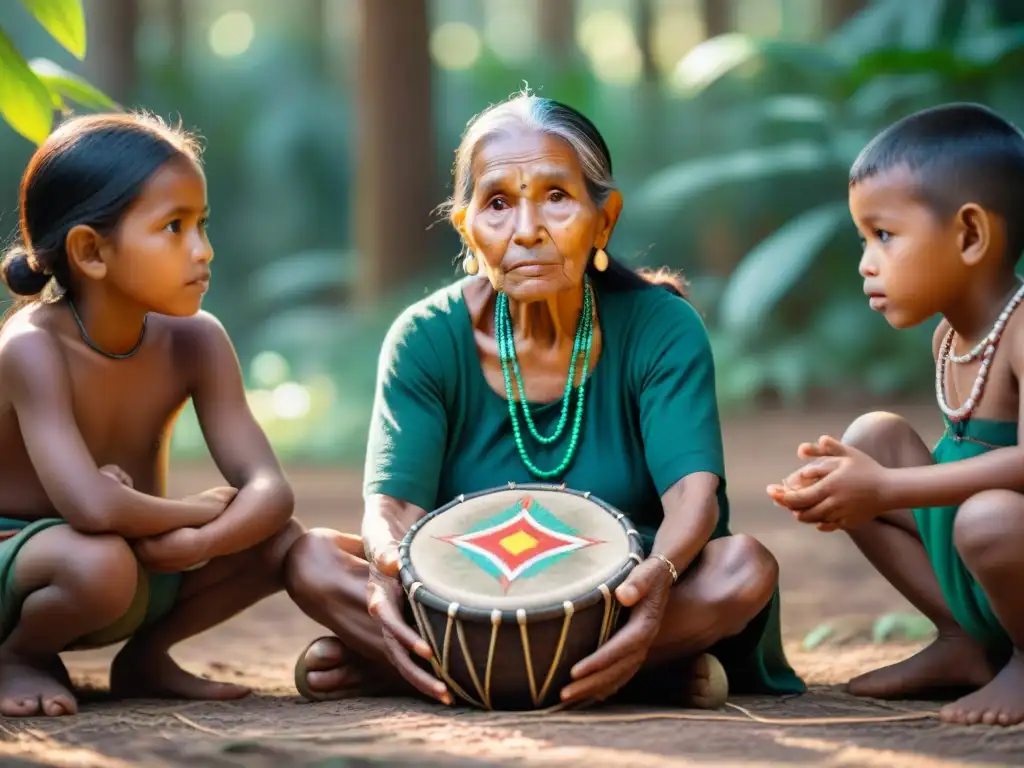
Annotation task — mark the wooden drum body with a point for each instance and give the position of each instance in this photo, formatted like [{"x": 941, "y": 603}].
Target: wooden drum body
[{"x": 513, "y": 586}]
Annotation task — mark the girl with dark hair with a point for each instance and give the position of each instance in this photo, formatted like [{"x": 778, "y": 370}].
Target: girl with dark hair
[
  {"x": 543, "y": 315},
  {"x": 95, "y": 366}
]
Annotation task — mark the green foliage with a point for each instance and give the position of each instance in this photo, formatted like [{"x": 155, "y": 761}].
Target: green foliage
[
  {"x": 817, "y": 636},
  {"x": 65, "y": 87},
  {"x": 31, "y": 92},
  {"x": 797, "y": 116},
  {"x": 754, "y": 146},
  {"x": 25, "y": 101},
  {"x": 912, "y": 627},
  {"x": 736, "y": 174},
  {"x": 64, "y": 20},
  {"x": 768, "y": 271}
]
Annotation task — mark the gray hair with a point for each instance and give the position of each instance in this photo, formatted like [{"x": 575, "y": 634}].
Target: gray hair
[{"x": 547, "y": 116}]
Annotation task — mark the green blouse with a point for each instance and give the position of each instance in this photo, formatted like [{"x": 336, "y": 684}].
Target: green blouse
[{"x": 651, "y": 418}]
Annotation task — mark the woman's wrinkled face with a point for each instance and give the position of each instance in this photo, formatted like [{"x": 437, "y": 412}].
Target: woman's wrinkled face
[{"x": 531, "y": 221}]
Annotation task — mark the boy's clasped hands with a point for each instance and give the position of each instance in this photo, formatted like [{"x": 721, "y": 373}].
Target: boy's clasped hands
[{"x": 839, "y": 488}]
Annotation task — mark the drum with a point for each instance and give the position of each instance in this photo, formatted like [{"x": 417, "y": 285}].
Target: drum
[{"x": 512, "y": 586}]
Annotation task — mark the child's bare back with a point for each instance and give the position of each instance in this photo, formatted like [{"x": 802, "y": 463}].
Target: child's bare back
[{"x": 93, "y": 373}]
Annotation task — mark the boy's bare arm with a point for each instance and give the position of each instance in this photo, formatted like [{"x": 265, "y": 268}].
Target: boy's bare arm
[
  {"x": 236, "y": 441},
  {"x": 952, "y": 483},
  {"x": 842, "y": 475},
  {"x": 35, "y": 376}
]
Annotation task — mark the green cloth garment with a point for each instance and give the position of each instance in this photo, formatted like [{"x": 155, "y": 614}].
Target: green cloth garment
[
  {"x": 154, "y": 594},
  {"x": 964, "y": 596},
  {"x": 439, "y": 430}
]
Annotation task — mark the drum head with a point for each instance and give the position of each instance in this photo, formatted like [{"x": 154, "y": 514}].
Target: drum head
[{"x": 525, "y": 547}]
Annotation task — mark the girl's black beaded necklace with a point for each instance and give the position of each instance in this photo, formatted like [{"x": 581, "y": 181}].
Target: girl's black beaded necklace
[{"x": 92, "y": 345}]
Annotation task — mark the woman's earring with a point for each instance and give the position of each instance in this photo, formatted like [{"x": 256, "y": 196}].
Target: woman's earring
[
  {"x": 600, "y": 260},
  {"x": 470, "y": 265}
]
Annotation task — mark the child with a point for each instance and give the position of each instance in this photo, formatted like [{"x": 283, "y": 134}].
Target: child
[
  {"x": 93, "y": 373},
  {"x": 937, "y": 199}
]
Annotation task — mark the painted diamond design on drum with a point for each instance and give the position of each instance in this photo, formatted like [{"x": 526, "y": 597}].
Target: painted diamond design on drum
[{"x": 520, "y": 541}]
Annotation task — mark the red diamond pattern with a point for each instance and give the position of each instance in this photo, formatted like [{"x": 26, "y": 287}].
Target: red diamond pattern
[{"x": 518, "y": 543}]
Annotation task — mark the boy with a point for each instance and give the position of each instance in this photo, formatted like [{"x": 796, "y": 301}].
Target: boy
[{"x": 936, "y": 199}]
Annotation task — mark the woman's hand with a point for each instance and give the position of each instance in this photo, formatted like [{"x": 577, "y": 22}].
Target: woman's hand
[
  {"x": 614, "y": 664},
  {"x": 385, "y": 600}
]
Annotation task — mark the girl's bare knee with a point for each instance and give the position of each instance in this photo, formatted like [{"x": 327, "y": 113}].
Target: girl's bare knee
[{"x": 100, "y": 572}]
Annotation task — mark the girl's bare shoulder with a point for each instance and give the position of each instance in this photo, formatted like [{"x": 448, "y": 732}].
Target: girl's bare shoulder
[
  {"x": 33, "y": 327},
  {"x": 197, "y": 341}
]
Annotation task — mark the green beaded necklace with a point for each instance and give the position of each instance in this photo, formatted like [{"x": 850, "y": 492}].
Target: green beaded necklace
[{"x": 507, "y": 353}]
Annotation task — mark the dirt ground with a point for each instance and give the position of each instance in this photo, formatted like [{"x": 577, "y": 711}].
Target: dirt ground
[{"x": 823, "y": 579}]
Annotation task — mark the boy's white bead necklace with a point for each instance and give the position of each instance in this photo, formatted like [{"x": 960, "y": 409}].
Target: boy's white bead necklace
[{"x": 986, "y": 349}]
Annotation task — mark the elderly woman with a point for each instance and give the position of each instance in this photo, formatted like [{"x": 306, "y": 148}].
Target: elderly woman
[{"x": 535, "y": 205}]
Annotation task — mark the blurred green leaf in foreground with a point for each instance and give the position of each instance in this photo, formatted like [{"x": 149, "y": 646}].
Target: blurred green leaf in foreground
[{"x": 32, "y": 91}]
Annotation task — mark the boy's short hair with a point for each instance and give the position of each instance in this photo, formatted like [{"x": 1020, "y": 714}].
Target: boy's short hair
[{"x": 958, "y": 154}]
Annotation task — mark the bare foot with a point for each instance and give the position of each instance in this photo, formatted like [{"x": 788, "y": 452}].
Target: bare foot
[
  {"x": 32, "y": 687},
  {"x": 708, "y": 688},
  {"x": 327, "y": 670},
  {"x": 698, "y": 682},
  {"x": 138, "y": 673},
  {"x": 1001, "y": 702},
  {"x": 950, "y": 663}
]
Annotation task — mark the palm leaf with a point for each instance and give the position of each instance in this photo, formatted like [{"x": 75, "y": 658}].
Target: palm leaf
[
  {"x": 300, "y": 274},
  {"x": 876, "y": 26},
  {"x": 992, "y": 47},
  {"x": 771, "y": 269},
  {"x": 671, "y": 189},
  {"x": 724, "y": 55}
]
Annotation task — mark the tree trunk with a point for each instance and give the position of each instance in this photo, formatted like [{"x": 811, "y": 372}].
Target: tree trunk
[
  {"x": 110, "y": 56},
  {"x": 717, "y": 15},
  {"x": 648, "y": 93},
  {"x": 394, "y": 145},
  {"x": 177, "y": 27},
  {"x": 838, "y": 12},
  {"x": 317, "y": 20},
  {"x": 556, "y": 23},
  {"x": 645, "y": 40}
]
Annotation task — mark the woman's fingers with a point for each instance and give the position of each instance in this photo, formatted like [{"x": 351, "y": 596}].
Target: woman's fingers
[
  {"x": 423, "y": 682},
  {"x": 384, "y": 604},
  {"x": 605, "y": 682}
]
